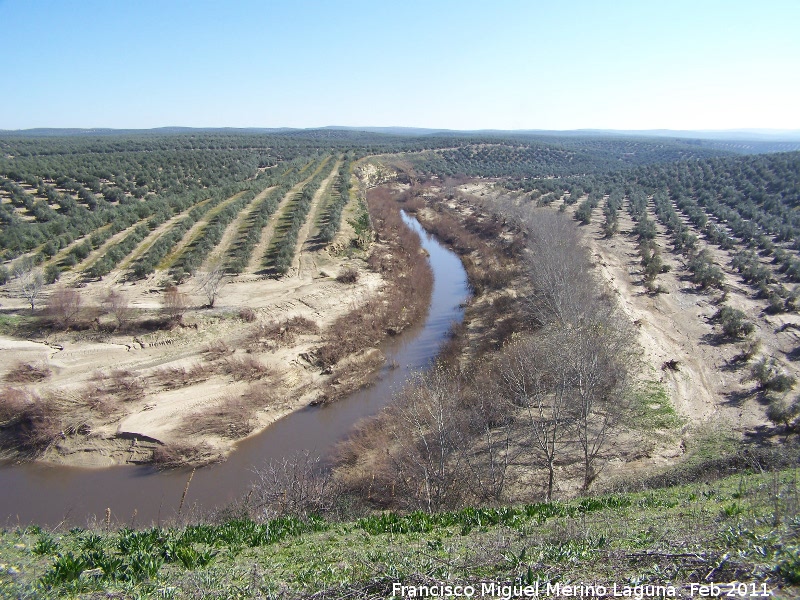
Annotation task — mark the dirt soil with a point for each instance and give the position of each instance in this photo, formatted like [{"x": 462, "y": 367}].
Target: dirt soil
[
  {"x": 164, "y": 402},
  {"x": 708, "y": 388}
]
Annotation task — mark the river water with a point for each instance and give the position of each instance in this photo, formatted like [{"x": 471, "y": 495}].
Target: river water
[{"x": 49, "y": 495}]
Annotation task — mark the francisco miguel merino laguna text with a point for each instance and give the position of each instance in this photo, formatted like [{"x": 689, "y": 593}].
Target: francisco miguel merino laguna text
[{"x": 508, "y": 591}]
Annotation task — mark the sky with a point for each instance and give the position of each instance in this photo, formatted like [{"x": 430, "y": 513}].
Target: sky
[{"x": 454, "y": 64}]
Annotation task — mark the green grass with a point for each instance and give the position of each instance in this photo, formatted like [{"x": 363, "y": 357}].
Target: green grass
[
  {"x": 744, "y": 528},
  {"x": 10, "y": 324},
  {"x": 652, "y": 408}
]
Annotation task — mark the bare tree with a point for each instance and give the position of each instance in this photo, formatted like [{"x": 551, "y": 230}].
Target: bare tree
[
  {"x": 30, "y": 280},
  {"x": 210, "y": 282},
  {"x": 559, "y": 269},
  {"x": 63, "y": 306},
  {"x": 296, "y": 485},
  {"x": 600, "y": 354},
  {"x": 495, "y": 447},
  {"x": 537, "y": 379},
  {"x": 117, "y": 304},
  {"x": 175, "y": 303},
  {"x": 585, "y": 347},
  {"x": 425, "y": 448}
]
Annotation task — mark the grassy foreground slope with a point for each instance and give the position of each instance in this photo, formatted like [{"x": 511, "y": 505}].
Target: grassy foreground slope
[{"x": 743, "y": 528}]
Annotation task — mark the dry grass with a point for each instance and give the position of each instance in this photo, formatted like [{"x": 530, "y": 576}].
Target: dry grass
[
  {"x": 28, "y": 373},
  {"x": 268, "y": 336},
  {"x": 246, "y": 368},
  {"x": 174, "y": 456},
  {"x": 12, "y": 403},
  {"x": 177, "y": 377},
  {"x": 122, "y": 384},
  {"x": 217, "y": 350},
  {"x": 247, "y": 314},
  {"x": 99, "y": 400},
  {"x": 261, "y": 395},
  {"x": 232, "y": 418},
  {"x": 30, "y": 424},
  {"x": 127, "y": 386}
]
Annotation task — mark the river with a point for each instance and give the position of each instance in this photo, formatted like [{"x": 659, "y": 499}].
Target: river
[{"x": 51, "y": 494}]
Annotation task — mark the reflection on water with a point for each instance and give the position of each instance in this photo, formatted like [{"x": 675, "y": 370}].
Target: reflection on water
[{"x": 51, "y": 494}]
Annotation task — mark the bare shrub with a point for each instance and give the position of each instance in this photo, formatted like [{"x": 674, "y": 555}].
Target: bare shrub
[
  {"x": 30, "y": 424},
  {"x": 170, "y": 377},
  {"x": 176, "y": 377},
  {"x": 30, "y": 280},
  {"x": 246, "y": 368},
  {"x": 297, "y": 485},
  {"x": 175, "y": 303},
  {"x": 99, "y": 400},
  {"x": 39, "y": 428},
  {"x": 116, "y": 304},
  {"x": 28, "y": 373},
  {"x": 211, "y": 282},
  {"x": 174, "y": 456},
  {"x": 12, "y": 403},
  {"x": 468, "y": 237},
  {"x": 405, "y": 298},
  {"x": 412, "y": 456},
  {"x": 302, "y": 325},
  {"x": 217, "y": 350},
  {"x": 126, "y": 385},
  {"x": 261, "y": 395},
  {"x": 63, "y": 306},
  {"x": 280, "y": 333},
  {"x": 348, "y": 275},
  {"x": 494, "y": 433},
  {"x": 247, "y": 314},
  {"x": 231, "y": 418},
  {"x": 120, "y": 384}
]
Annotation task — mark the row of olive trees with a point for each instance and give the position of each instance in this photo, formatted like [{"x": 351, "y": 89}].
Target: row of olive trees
[
  {"x": 333, "y": 216},
  {"x": 249, "y": 234},
  {"x": 281, "y": 253}
]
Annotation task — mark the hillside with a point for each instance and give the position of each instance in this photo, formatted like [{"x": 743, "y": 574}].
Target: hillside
[
  {"x": 737, "y": 533},
  {"x": 632, "y": 325}
]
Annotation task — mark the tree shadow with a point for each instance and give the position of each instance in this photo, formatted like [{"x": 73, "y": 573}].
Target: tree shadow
[
  {"x": 766, "y": 435},
  {"x": 316, "y": 243},
  {"x": 716, "y": 340},
  {"x": 736, "y": 363},
  {"x": 737, "y": 398}
]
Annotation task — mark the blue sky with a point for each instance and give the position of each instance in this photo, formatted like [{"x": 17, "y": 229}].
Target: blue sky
[{"x": 527, "y": 64}]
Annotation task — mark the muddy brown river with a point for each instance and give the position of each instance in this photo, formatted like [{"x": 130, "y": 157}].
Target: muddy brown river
[{"x": 49, "y": 495}]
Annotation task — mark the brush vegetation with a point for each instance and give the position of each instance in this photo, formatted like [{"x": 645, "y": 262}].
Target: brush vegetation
[{"x": 740, "y": 528}]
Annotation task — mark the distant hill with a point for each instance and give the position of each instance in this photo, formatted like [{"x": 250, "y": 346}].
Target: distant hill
[{"x": 740, "y": 141}]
